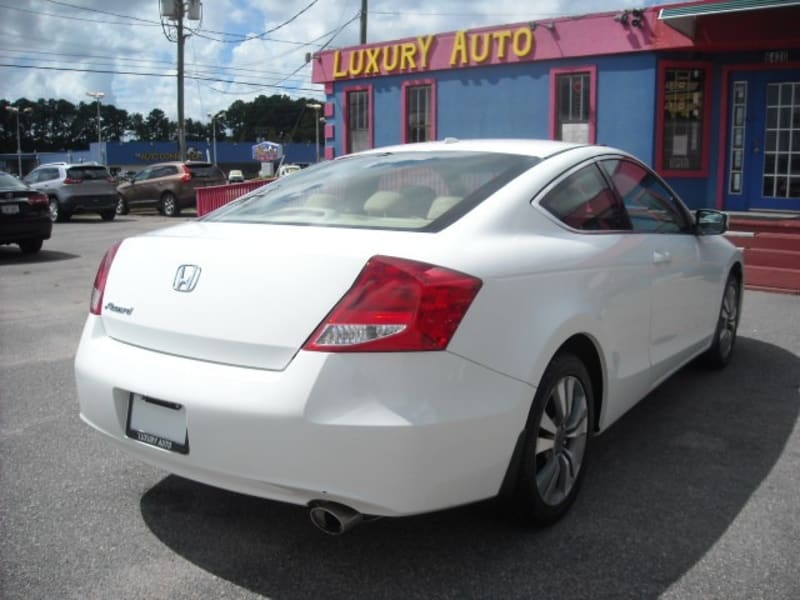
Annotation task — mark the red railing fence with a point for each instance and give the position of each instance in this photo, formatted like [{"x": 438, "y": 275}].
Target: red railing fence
[{"x": 212, "y": 197}]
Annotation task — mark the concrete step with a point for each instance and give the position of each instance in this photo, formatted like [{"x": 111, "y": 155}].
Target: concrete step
[
  {"x": 769, "y": 257},
  {"x": 789, "y": 225},
  {"x": 771, "y": 252},
  {"x": 775, "y": 241},
  {"x": 772, "y": 279}
]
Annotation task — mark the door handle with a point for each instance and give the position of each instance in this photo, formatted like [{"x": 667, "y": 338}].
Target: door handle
[{"x": 660, "y": 257}]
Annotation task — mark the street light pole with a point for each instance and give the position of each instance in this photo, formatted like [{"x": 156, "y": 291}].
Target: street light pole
[
  {"x": 316, "y": 106},
  {"x": 214, "y": 133},
  {"x": 97, "y": 96},
  {"x": 16, "y": 110}
]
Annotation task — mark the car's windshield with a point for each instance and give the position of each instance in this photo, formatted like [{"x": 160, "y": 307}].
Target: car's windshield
[
  {"x": 404, "y": 190},
  {"x": 9, "y": 182}
]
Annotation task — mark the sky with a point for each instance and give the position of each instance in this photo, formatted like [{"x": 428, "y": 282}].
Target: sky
[{"x": 238, "y": 50}]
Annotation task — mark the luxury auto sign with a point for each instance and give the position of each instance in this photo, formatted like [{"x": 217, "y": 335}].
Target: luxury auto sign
[{"x": 432, "y": 52}]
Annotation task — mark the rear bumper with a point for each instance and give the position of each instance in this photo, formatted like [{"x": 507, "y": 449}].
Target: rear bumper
[
  {"x": 25, "y": 229},
  {"x": 388, "y": 434},
  {"x": 94, "y": 203}
]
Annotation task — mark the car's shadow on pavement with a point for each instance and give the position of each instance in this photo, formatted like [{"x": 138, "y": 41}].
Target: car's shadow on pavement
[
  {"x": 12, "y": 255},
  {"x": 664, "y": 484}
]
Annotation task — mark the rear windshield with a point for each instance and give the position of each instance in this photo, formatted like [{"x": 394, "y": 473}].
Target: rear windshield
[
  {"x": 9, "y": 182},
  {"x": 406, "y": 190},
  {"x": 87, "y": 172},
  {"x": 205, "y": 170}
]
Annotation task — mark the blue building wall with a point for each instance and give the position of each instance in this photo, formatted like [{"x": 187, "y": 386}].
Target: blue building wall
[{"x": 513, "y": 101}]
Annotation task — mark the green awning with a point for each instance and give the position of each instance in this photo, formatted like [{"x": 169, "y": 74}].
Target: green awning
[{"x": 683, "y": 18}]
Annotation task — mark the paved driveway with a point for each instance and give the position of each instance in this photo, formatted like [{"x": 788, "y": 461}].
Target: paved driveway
[{"x": 694, "y": 494}]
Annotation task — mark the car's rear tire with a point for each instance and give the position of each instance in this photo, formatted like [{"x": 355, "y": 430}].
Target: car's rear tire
[
  {"x": 57, "y": 214},
  {"x": 556, "y": 444},
  {"x": 30, "y": 246},
  {"x": 169, "y": 205},
  {"x": 122, "y": 206},
  {"x": 721, "y": 350},
  {"x": 108, "y": 215}
]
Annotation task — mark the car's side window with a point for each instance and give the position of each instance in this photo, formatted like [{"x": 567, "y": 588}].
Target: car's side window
[
  {"x": 584, "y": 201},
  {"x": 165, "y": 171},
  {"x": 45, "y": 175},
  {"x": 142, "y": 175},
  {"x": 651, "y": 207}
]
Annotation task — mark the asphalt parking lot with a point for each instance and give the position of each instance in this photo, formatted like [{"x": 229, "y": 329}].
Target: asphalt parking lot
[{"x": 693, "y": 494}]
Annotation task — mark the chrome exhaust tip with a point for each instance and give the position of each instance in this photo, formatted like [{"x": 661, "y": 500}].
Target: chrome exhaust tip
[{"x": 333, "y": 518}]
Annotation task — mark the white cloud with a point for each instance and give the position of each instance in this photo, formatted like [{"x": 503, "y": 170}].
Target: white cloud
[{"x": 47, "y": 34}]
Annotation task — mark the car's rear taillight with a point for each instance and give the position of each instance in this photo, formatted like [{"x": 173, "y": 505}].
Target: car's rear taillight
[
  {"x": 69, "y": 180},
  {"x": 187, "y": 174},
  {"x": 397, "y": 305},
  {"x": 96, "y": 303},
  {"x": 38, "y": 200}
]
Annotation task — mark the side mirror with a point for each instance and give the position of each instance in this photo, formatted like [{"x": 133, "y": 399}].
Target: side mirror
[{"x": 710, "y": 222}]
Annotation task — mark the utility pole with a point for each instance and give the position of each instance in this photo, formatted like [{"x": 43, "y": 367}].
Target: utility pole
[
  {"x": 97, "y": 96},
  {"x": 315, "y": 106},
  {"x": 16, "y": 110},
  {"x": 214, "y": 131},
  {"x": 175, "y": 11},
  {"x": 181, "y": 123},
  {"x": 363, "y": 21}
]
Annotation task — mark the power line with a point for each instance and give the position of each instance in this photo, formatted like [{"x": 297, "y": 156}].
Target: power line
[
  {"x": 246, "y": 38},
  {"x": 12, "y": 52},
  {"x": 144, "y": 24},
  {"x": 102, "y": 12},
  {"x": 151, "y": 23},
  {"x": 145, "y": 74},
  {"x": 326, "y": 44},
  {"x": 85, "y": 19}
]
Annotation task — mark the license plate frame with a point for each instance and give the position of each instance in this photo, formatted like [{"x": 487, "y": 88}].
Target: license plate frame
[{"x": 157, "y": 423}]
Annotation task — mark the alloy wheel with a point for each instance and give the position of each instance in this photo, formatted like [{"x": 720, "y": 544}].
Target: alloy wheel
[
  {"x": 561, "y": 440},
  {"x": 54, "y": 211},
  {"x": 728, "y": 317},
  {"x": 169, "y": 205}
]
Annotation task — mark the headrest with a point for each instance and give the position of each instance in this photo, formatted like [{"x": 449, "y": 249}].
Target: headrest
[
  {"x": 379, "y": 203},
  {"x": 441, "y": 205}
]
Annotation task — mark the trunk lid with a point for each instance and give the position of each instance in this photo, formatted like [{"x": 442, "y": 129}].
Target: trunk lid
[
  {"x": 247, "y": 295},
  {"x": 93, "y": 180}
]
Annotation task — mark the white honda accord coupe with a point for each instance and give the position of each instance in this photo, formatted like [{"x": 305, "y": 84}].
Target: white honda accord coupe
[{"x": 408, "y": 329}]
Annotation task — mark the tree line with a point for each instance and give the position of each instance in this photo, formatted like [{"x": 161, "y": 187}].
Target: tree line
[{"x": 58, "y": 125}]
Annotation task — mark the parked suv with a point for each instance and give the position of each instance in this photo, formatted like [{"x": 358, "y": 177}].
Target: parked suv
[
  {"x": 169, "y": 187},
  {"x": 75, "y": 188}
]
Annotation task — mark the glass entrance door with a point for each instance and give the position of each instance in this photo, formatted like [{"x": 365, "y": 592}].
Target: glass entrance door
[{"x": 763, "y": 166}]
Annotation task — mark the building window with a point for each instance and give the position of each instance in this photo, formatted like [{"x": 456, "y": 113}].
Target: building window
[
  {"x": 573, "y": 105},
  {"x": 359, "y": 119},
  {"x": 736, "y": 170},
  {"x": 782, "y": 141},
  {"x": 684, "y": 119},
  {"x": 419, "y": 111}
]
